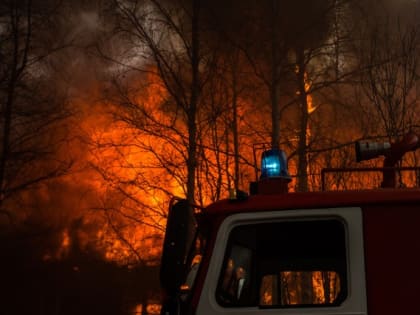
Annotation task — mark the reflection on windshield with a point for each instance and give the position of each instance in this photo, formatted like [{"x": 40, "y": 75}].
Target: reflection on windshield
[
  {"x": 195, "y": 256},
  {"x": 300, "y": 288},
  {"x": 192, "y": 273},
  {"x": 236, "y": 275}
]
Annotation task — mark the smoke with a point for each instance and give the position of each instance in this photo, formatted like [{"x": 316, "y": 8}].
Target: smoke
[{"x": 400, "y": 12}]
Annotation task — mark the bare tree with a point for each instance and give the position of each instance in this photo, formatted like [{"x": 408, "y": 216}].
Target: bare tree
[
  {"x": 389, "y": 75},
  {"x": 313, "y": 71},
  {"x": 168, "y": 34},
  {"x": 30, "y": 108}
]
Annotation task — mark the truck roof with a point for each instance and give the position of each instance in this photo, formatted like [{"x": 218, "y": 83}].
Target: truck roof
[{"x": 309, "y": 200}]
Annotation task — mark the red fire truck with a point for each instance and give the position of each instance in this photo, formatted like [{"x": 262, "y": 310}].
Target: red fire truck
[{"x": 275, "y": 252}]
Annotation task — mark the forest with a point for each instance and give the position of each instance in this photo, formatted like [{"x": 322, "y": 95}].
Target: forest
[{"x": 110, "y": 108}]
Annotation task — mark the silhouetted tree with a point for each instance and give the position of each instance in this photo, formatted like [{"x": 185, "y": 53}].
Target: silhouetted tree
[{"x": 31, "y": 109}]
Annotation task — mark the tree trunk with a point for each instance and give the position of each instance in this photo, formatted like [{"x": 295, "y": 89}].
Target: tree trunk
[
  {"x": 18, "y": 64},
  {"x": 302, "y": 183},
  {"x": 274, "y": 89},
  {"x": 192, "y": 108},
  {"x": 235, "y": 124}
]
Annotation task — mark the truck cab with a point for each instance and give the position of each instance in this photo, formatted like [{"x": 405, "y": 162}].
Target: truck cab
[{"x": 275, "y": 252}]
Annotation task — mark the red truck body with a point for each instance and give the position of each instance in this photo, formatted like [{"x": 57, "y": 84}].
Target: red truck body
[
  {"x": 275, "y": 252},
  {"x": 391, "y": 241}
]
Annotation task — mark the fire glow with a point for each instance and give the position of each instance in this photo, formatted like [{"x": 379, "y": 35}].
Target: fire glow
[{"x": 127, "y": 184}]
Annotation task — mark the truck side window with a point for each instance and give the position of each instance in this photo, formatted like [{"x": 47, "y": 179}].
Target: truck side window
[
  {"x": 235, "y": 279},
  {"x": 285, "y": 264},
  {"x": 236, "y": 274}
]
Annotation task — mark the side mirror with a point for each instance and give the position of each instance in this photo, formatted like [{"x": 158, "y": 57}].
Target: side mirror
[{"x": 179, "y": 235}]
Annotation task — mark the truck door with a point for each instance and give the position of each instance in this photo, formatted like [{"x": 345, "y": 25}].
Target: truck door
[{"x": 287, "y": 262}]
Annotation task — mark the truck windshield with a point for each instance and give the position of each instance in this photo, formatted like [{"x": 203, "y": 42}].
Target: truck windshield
[{"x": 284, "y": 264}]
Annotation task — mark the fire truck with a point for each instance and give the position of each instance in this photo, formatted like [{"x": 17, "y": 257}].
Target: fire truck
[{"x": 275, "y": 252}]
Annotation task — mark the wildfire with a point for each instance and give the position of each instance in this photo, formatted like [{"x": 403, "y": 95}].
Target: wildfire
[
  {"x": 308, "y": 84},
  {"x": 65, "y": 244},
  {"x": 131, "y": 185},
  {"x": 119, "y": 195},
  {"x": 150, "y": 309},
  {"x": 323, "y": 288},
  {"x": 123, "y": 190}
]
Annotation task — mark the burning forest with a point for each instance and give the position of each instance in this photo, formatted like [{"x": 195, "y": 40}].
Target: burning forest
[{"x": 109, "y": 109}]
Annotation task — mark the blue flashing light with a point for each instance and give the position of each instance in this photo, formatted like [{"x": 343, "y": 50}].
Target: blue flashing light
[{"x": 274, "y": 164}]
